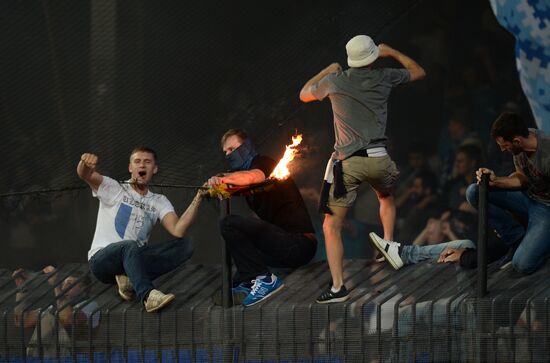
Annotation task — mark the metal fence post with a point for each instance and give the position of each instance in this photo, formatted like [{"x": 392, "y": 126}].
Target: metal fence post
[
  {"x": 227, "y": 299},
  {"x": 481, "y": 305},
  {"x": 482, "y": 237}
]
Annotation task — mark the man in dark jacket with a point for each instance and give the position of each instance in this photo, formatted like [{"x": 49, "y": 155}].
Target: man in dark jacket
[{"x": 281, "y": 236}]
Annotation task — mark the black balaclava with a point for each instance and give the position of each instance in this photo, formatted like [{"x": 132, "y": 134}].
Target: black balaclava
[{"x": 241, "y": 157}]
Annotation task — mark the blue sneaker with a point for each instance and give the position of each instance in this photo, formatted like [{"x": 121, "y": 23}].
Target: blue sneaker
[
  {"x": 240, "y": 292},
  {"x": 242, "y": 288},
  {"x": 263, "y": 287}
]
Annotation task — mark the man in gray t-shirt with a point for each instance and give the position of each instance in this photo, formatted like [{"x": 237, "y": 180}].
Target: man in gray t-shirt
[
  {"x": 525, "y": 193},
  {"x": 359, "y": 98}
]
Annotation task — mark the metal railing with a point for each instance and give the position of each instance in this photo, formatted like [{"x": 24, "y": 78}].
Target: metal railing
[
  {"x": 482, "y": 236},
  {"x": 428, "y": 312}
]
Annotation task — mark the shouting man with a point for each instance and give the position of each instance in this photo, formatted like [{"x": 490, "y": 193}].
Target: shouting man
[{"x": 127, "y": 214}]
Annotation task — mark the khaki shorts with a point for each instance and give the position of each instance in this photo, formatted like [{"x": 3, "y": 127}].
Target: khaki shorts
[{"x": 380, "y": 172}]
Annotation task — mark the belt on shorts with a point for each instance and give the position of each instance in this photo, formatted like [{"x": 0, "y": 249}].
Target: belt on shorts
[
  {"x": 372, "y": 152},
  {"x": 338, "y": 178}
]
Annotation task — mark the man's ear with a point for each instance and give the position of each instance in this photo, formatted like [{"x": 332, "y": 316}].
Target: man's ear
[
  {"x": 517, "y": 140},
  {"x": 130, "y": 168},
  {"x": 155, "y": 170}
]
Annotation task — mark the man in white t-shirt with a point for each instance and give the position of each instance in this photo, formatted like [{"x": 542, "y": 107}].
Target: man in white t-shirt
[{"x": 127, "y": 214}]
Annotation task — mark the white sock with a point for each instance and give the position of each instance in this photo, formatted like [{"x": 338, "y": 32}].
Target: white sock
[{"x": 335, "y": 290}]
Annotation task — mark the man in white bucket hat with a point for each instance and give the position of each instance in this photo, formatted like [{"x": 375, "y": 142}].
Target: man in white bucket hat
[{"x": 359, "y": 98}]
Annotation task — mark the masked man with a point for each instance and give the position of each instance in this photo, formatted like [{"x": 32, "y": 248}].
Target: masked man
[{"x": 281, "y": 236}]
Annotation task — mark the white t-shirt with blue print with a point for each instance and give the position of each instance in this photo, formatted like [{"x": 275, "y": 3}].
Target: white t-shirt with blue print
[{"x": 124, "y": 214}]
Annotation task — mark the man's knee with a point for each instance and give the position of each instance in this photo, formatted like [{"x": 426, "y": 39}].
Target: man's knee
[
  {"x": 231, "y": 228},
  {"x": 129, "y": 247},
  {"x": 524, "y": 265},
  {"x": 229, "y": 222},
  {"x": 472, "y": 194},
  {"x": 332, "y": 225},
  {"x": 185, "y": 247}
]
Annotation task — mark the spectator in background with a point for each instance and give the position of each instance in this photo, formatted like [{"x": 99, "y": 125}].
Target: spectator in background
[
  {"x": 466, "y": 161},
  {"x": 417, "y": 204},
  {"x": 458, "y": 133},
  {"x": 417, "y": 161},
  {"x": 446, "y": 228},
  {"x": 457, "y": 218},
  {"x": 72, "y": 306}
]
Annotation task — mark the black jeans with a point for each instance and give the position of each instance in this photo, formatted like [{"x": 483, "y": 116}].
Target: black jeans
[
  {"x": 141, "y": 264},
  {"x": 255, "y": 245}
]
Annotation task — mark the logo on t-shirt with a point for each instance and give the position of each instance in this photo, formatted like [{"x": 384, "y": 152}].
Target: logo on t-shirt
[
  {"x": 136, "y": 203},
  {"x": 140, "y": 222}
]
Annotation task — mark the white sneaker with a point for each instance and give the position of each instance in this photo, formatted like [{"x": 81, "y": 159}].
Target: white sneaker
[
  {"x": 125, "y": 288},
  {"x": 389, "y": 249},
  {"x": 157, "y": 300}
]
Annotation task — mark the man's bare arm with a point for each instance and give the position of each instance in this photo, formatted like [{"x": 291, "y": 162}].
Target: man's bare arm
[
  {"x": 244, "y": 177},
  {"x": 86, "y": 170},
  {"x": 178, "y": 226},
  {"x": 516, "y": 180},
  {"x": 305, "y": 94},
  {"x": 415, "y": 70}
]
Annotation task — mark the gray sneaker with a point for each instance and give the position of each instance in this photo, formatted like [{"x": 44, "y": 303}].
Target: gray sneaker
[
  {"x": 125, "y": 288},
  {"x": 389, "y": 249},
  {"x": 157, "y": 300}
]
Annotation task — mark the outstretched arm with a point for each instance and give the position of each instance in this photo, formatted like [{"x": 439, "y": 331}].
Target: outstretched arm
[
  {"x": 86, "y": 170},
  {"x": 305, "y": 94},
  {"x": 178, "y": 226},
  {"x": 244, "y": 177},
  {"x": 415, "y": 70},
  {"x": 513, "y": 181}
]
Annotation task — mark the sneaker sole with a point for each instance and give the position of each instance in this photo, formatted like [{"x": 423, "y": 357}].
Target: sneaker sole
[
  {"x": 267, "y": 296},
  {"x": 122, "y": 294},
  {"x": 506, "y": 265},
  {"x": 335, "y": 300},
  {"x": 161, "y": 305},
  {"x": 374, "y": 241}
]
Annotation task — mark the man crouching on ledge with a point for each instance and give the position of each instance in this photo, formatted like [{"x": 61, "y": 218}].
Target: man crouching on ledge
[
  {"x": 127, "y": 214},
  {"x": 281, "y": 236}
]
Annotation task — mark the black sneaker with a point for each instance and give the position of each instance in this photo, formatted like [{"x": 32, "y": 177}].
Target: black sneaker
[{"x": 329, "y": 297}]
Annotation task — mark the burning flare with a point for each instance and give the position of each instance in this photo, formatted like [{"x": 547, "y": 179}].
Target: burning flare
[{"x": 281, "y": 170}]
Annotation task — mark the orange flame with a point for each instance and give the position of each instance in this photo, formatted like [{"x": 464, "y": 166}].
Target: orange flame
[{"x": 281, "y": 170}]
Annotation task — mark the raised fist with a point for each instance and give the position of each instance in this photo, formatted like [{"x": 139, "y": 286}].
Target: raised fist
[{"x": 90, "y": 160}]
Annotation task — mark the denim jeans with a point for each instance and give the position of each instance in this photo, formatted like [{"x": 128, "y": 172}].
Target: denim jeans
[
  {"x": 141, "y": 264},
  {"x": 256, "y": 245},
  {"x": 534, "y": 247},
  {"x": 416, "y": 254}
]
